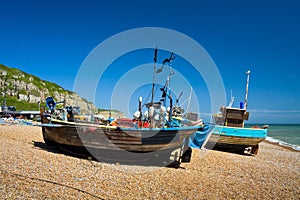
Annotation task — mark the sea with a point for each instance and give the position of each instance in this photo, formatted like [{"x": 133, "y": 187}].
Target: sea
[{"x": 283, "y": 134}]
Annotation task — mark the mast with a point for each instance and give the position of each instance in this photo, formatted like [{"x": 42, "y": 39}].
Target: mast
[
  {"x": 169, "y": 85},
  {"x": 140, "y": 109},
  {"x": 152, "y": 93},
  {"x": 154, "y": 72},
  {"x": 170, "y": 97},
  {"x": 109, "y": 113},
  {"x": 189, "y": 102},
  {"x": 247, "y": 85}
]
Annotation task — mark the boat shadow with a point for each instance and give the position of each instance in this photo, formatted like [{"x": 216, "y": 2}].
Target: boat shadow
[
  {"x": 238, "y": 152},
  {"x": 44, "y": 146},
  {"x": 229, "y": 149},
  {"x": 87, "y": 156}
]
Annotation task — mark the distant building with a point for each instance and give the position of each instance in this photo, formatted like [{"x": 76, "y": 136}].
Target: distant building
[{"x": 10, "y": 111}]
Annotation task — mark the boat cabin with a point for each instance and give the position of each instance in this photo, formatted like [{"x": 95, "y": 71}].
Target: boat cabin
[{"x": 233, "y": 117}]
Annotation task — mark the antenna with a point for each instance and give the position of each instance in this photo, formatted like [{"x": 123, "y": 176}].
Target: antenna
[
  {"x": 180, "y": 95},
  {"x": 231, "y": 100}
]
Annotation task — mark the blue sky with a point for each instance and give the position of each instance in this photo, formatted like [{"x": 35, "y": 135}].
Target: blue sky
[{"x": 51, "y": 39}]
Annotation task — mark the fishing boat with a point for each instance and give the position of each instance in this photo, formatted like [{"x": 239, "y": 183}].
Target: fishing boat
[
  {"x": 119, "y": 144},
  {"x": 152, "y": 140},
  {"x": 230, "y": 133}
]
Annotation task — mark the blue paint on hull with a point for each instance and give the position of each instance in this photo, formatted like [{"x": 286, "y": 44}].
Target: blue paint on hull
[{"x": 240, "y": 132}]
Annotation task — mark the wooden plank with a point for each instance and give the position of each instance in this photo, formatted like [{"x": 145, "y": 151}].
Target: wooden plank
[{"x": 235, "y": 140}]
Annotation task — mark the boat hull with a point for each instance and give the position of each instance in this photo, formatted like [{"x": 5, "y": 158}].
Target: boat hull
[
  {"x": 116, "y": 144},
  {"x": 236, "y": 138}
]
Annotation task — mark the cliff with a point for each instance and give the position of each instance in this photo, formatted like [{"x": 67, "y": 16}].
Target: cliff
[{"x": 25, "y": 89}]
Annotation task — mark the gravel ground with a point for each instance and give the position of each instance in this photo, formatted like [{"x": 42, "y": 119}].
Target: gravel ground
[{"x": 31, "y": 170}]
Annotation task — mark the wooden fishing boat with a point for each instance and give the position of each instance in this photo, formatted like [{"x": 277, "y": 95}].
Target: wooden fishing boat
[
  {"x": 230, "y": 133},
  {"x": 119, "y": 144},
  {"x": 154, "y": 140}
]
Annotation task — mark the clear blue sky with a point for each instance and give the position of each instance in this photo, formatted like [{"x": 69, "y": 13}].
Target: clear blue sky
[{"x": 51, "y": 39}]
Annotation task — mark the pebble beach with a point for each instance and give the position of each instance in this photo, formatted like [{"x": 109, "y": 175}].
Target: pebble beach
[{"x": 29, "y": 169}]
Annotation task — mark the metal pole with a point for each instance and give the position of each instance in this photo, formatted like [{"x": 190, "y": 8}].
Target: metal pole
[
  {"x": 154, "y": 72},
  {"x": 189, "y": 102},
  {"x": 153, "y": 84},
  {"x": 140, "y": 111},
  {"x": 170, "y": 95},
  {"x": 247, "y": 85}
]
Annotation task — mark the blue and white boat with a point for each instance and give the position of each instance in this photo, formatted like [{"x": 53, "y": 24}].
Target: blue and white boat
[
  {"x": 238, "y": 138},
  {"x": 230, "y": 134}
]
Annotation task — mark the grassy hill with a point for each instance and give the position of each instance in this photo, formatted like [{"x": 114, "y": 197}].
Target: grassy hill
[{"x": 24, "y": 91}]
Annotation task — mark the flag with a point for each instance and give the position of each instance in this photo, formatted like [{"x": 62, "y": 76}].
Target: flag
[{"x": 167, "y": 60}]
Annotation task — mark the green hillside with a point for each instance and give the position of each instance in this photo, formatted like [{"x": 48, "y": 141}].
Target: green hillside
[{"x": 25, "y": 91}]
